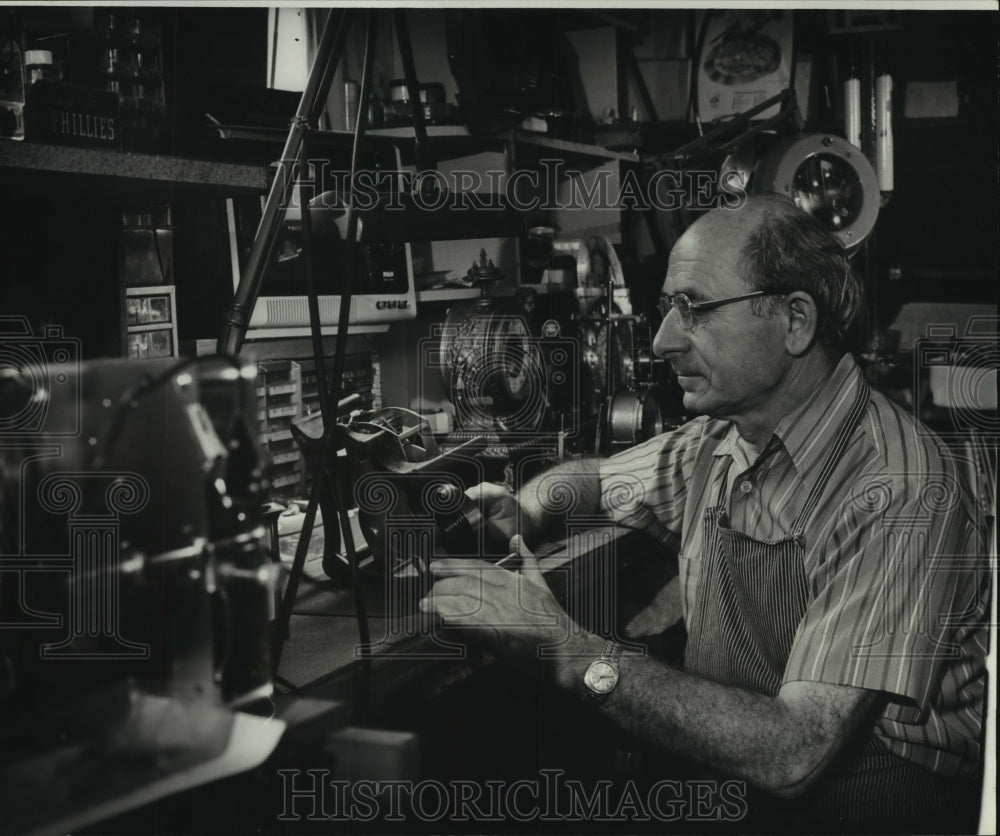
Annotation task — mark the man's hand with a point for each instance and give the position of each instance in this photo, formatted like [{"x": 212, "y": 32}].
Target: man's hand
[
  {"x": 513, "y": 612},
  {"x": 500, "y": 509},
  {"x": 538, "y": 512}
]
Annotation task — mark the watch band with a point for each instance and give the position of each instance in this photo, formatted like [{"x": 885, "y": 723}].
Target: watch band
[{"x": 611, "y": 652}]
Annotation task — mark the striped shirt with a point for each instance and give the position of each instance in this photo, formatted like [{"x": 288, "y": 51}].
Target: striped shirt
[{"x": 894, "y": 556}]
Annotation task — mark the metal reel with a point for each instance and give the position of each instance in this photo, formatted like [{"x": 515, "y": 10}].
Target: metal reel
[
  {"x": 633, "y": 417},
  {"x": 606, "y": 368}
]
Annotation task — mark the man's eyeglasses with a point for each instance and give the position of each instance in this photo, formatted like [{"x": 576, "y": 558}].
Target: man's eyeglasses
[{"x": 687, "y": 309}]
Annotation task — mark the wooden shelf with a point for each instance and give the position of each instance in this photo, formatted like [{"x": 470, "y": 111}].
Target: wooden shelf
[
  {"x": 448, "y": 294},
  {"x": 406, "y": 131},
  {"x": 544, "y": 288},
  {"x": 452, "y": 141},
  {"x": 458, "y": 294},
  {"x": 573, "y": 152},
  {"x": 125, "y": 177},
  {"x": 444, "y": 142}
]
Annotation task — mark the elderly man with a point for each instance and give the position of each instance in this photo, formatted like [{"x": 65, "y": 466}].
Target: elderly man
[{"x": 828, "y": 574}]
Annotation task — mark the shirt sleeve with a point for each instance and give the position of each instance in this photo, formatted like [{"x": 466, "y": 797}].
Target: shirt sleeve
[
  {"x": 901, "y": 595},
  {"x": 646, "y": 487}
]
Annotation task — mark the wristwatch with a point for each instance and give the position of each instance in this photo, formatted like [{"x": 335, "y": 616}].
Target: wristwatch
[{"x": 602, "y": 675}]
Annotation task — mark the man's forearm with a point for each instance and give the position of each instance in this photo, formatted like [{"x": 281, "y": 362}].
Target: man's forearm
[
  {"x": 572, "y": 487},
  {"x": 777, "y": 743}
]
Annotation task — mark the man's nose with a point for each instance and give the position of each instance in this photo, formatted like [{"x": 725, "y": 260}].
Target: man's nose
[{"x": 671, "y": 337}]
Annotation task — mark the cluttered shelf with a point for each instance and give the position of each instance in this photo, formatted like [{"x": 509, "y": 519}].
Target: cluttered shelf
[
  {"x": 136, "y": 177},
  {"x": 111, "y": 175}
]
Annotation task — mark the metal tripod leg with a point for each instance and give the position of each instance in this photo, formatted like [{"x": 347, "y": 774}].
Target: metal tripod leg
[
  {"x": 328, "y": 56},
  {"x": 327, "y": 462}
]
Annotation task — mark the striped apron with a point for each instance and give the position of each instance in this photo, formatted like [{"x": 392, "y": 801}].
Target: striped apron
[{"x": 752, "y": 595}]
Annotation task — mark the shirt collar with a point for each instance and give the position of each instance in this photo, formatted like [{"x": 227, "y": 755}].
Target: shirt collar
[
  {"x": 809, "y": 431},
  {"x": 802, "y": 431},
  {"x": 729, "y": 446}
]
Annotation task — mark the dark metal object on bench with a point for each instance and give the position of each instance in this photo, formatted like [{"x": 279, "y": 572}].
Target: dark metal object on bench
[{"x": 401, "y": 484}]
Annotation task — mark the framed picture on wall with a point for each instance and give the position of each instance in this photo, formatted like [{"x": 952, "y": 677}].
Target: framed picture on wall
[{"x": 151, "y": 321}]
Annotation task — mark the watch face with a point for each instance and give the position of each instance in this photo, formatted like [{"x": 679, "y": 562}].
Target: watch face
[{"x": 601, "y": 676}]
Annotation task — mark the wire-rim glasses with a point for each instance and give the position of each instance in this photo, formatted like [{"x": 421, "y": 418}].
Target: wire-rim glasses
[{"x": 686, "y": 309}]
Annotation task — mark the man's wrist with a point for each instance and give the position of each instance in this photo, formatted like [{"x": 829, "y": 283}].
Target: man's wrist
[{"x": 573, "y": 659}]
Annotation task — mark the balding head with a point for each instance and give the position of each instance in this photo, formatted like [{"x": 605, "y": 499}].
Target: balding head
[
  {"x": 779, "y": 248},
  {"x": 733, "y": 225}
]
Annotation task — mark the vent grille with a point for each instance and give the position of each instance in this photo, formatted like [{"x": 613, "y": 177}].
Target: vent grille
[{"x": 283, "y": 312}]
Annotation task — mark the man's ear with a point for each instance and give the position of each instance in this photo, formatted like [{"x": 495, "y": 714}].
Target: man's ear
[{"x": 802, "y": 322}]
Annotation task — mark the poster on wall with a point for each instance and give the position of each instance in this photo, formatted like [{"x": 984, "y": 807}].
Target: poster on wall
[{"x": 746, "y": 59}]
